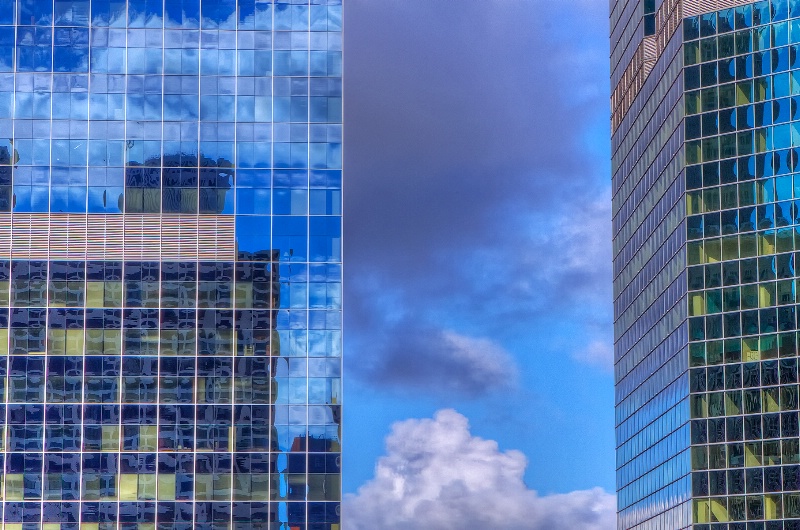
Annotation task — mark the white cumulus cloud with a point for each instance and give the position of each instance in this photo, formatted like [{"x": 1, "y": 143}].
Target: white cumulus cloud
[{"x": 437, "y": 476}]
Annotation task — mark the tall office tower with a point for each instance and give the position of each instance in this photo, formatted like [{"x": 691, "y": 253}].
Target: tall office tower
[
  {"x": 170, "y": 266},
  {"x": 706, "y": 180}
]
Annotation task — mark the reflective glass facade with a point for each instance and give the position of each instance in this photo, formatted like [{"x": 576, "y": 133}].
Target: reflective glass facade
[
  {"x": 170, "y": 264},
  {"x": 741, "y": 80},
  {"x": 706, "y": 136},
  {"x": 651, "y": 330}
]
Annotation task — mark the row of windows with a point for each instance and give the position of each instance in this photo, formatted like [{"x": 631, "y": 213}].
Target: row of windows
[
  {"x": 115, "y": 199},
  {"x": 112, "y": 199},
  {"x": 151, "y": 197},
  {"x": 149, "y": 294},
  {"x": 166, "y": 437},
  {"x": 172, "y": 176},
  {"x": 244, "y": 108},
  {"x": 751, "y": 401},
  {"x": 58, "y": 389},
  {"x": 171, "y": 487},
  {"x": 32, "y": 85},
  {"x": 208, "y": 342},
  {"x": 130, "y": 366},
  {"x": 748, "y": 219},
  {"x": 171, "y": 39},
  {"x": 136, "y": 366},
  {"x": 743, "y": 143},
  {"x": 740, "y": 481},
  {"x": 166, "y": 462},
  {"x": 731, "y": 428},
  {"x": 47, "y": 56},
  {"x": 743, "y": 67},
  {"x": 726, "y": 20},
  {"x": 130, "y": 390},
  {"x": 742, "y": 117},
  {"x": 171, "y": 515},
  {"x": 176, "y": 39},
  {"x": 747, "y": 297},
  {"x": 187, "y": 14},
  {"x": 150, "y": 271},
  {"x": 745, "y": 323},
  {"x": 751, "y": 454},
  {"x": 748, "y": 375},
  {"x": 742, "y": 42},
  {"x": 145, "y": 157},
  {"x": 146, "y": 318},
  {"x": 730, "y": 273},
  {"x": 240, "y": 107},
  {"x": 753, "y": 525},
  {"x": 169, "y": 294},
  {"x": 756, "y": 507},
  {"x": 742, "y": 93},
  {"x": 32, "y": 91},
  {"x": 748, "y": 349},
  {"x": 748, "y": 193},
  {"x": 279, "y": 181},
  {"x": 261, "y": 293},
  {"x": 171, "y": 342},
  {"x": 742, "y": 169},
  {"x": 763, "y": 243},
  {"x": 222, "y": 415},
  {"x": 244, "y": 523},
  {"x": 279, "y": 436}
]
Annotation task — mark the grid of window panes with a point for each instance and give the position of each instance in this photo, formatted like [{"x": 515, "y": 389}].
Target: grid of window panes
[
  {"x": 742, "y": 82},
  {"x": 176, "y": 394},
  {"x": 143, "y": 392}
]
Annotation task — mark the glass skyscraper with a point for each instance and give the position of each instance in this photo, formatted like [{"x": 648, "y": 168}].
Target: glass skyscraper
[
  {"x": 706, "y": 205},
  {"x": 170, "y": 264}
]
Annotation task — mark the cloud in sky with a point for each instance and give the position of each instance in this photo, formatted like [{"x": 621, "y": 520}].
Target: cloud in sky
[
  {"x": 440, "y": 361},
  {"x": 437, "y": 476},
  {"x": 461, "y": 118},
  {"x": 402, "y": 334},
  {"x": 598, "y": 353},
  {"x": 476, "y": 198}
]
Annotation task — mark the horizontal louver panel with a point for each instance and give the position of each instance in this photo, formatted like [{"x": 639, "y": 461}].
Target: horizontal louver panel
[
  {"x": 696, "y": 7},
  {"x": 132, "y": 236}
]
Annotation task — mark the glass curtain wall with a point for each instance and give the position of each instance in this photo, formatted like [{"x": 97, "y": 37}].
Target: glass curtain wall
[
  {"x": 742, "y": 103},
  {"x": 194, "y": 382}
]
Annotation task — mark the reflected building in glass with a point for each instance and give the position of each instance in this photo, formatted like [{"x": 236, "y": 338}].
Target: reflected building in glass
[{"x": 170, "y": 264}]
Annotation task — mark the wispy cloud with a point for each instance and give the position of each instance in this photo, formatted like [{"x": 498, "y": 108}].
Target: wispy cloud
[
  {"x": 439, "y": 361},
  {"x": 437, "y": 475},
  {"x": 599, "y": 353}
]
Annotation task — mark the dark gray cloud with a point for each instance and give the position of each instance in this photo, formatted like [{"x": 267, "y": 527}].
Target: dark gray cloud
[
  {"x": 437, "y": 476},
  {"x": 415, "y": 355},
  {"x": 475, "y": 193}
]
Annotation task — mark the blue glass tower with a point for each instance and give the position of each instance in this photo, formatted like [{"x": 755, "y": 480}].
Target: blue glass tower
[
  {"x": 706, "y": 140},
  {"x": 170, "y": 264}
]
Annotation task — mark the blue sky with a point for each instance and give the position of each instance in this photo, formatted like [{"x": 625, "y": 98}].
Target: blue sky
[{"x": 478, "y": 256}]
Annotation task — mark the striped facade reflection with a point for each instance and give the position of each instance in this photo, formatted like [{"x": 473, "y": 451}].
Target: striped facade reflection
[
  {"x": 170, "y": 264},
  {"x": 651, "y": 333}
]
